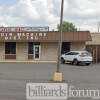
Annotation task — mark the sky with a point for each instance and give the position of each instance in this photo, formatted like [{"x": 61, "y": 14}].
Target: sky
[{"x": 84, "y": 14}]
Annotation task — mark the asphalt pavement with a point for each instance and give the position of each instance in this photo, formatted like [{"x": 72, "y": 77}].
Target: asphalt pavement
[{"x": 15, "y": 76}]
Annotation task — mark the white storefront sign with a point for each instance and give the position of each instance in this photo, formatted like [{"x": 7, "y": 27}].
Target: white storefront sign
[
  {"x": 23, "y": 29},
  {"x": 20, "y": 36}
]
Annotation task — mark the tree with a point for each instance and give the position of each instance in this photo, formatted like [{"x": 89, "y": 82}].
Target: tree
[{"x": 67, "y": 26}]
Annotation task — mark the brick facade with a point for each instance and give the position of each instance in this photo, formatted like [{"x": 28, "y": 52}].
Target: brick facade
[
  {"x": 49, "y": 51},
  {"x": 95, "y": 39},
  {"x": 2, "y": 51},
  {"x": 77, "y": 46},
  {"x": 22, "y": 51}
]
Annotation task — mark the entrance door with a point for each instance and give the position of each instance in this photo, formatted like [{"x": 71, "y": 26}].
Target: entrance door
[{"x": 36, "y": 52}]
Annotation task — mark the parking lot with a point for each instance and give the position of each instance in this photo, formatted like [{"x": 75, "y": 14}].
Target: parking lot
[{"x": 15, "y": 76}]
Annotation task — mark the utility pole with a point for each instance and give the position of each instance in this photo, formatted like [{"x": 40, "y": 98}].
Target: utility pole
[
  {"x": 58, "y": 75},
  {"x": 60, "y": 38},
  {"x": 96, "y": 54}
]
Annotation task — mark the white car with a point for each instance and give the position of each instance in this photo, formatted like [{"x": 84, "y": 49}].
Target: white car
[{"x": 77, "y": 57}]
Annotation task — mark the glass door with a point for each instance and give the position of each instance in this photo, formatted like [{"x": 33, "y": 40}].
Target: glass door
[{"x": 36, "y": 52}]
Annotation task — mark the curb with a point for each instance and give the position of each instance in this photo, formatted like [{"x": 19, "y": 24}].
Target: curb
[{"x": 11, "y": 61}]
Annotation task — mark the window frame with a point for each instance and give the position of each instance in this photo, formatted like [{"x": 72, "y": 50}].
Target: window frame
[{"x": 10, "y": 48}]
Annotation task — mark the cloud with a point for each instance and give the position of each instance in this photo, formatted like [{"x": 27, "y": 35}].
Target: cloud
[
  {"x": 33, "y": 12},
  {"x": 24, "y": 9},
  {"x": 85, "y": 14}
]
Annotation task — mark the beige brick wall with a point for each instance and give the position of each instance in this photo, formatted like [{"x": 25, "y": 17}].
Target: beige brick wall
[
  {"x": 95, "y": 39},
  {"x": 77, "y": 46},
  {"x": 22, "y": 51},
  {"x": 2, "y": 51},
  {"x": 49, "y": 51}
]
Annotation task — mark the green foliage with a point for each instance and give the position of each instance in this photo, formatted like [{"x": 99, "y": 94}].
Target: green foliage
[{"x": 67, "y": 26}]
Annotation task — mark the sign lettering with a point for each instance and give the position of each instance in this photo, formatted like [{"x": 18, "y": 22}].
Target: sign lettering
[{"x": 21, "y": 36}]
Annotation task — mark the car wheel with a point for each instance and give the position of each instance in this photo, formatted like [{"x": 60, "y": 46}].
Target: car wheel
[
  {"x": 75, "y": 62},
  {"x": 88, "y": 64},
  {"x": 62, "y": 60}
]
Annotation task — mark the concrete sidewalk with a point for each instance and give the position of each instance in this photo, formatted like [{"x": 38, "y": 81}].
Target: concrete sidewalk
[{"x": 25, "y": 61}]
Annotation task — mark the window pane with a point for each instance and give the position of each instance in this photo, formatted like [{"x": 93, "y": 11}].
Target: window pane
[
  {"x": 10, "y": 48},
  {"x": 87, "y": 54},
  {"x": 30, "y": 48},
  {"x": 75, "y": 53},
  {"x": 65, "y": 47}
]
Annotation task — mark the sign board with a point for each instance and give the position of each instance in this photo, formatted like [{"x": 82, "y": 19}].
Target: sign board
[
  {"x": 44, "y": 36},
  {"x": 23, "y": 36},
  {"x": 23, "y": 29}
]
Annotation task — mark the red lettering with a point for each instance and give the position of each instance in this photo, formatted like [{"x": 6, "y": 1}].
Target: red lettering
[
  {"x": 9, "y": 29},
  {"x": 5, "y": 29},
  {"x": 19, "y": 30}
]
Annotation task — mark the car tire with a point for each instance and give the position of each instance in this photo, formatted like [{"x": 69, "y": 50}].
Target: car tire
[
  {"x": 62, "y": 60},
  {"x": 87, "y": 64},
  {"x": 75, "y": 62}
]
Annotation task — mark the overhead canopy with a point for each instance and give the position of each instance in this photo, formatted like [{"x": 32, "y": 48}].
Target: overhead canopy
[{"x": 50, "y": 36}]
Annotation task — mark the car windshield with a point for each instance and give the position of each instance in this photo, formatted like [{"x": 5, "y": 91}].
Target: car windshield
[{"x": 86, "y": 54}]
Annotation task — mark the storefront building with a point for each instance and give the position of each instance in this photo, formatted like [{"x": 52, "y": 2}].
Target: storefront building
[
  {"x": 39, "y": 46},
  {"x": 94, "y": 46}
]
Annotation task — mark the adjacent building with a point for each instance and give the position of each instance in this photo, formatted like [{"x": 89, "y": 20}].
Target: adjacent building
[{"x": 94, "y": 45}]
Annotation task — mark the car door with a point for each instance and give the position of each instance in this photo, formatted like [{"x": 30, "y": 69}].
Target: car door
[
  {"x": 68, "y": 56},
  {"x": 73, "y": 55}
]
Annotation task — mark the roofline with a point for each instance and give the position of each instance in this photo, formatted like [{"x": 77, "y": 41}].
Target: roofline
[
  {"x": 95, "y": 32},
  {"x": 39, "y": 31}
]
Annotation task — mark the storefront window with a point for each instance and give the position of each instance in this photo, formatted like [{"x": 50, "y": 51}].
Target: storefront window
[
  {"x": 65, "y": 47},
  {"x": 31, "y": 48},
  {"x": 10, "y": 48}
]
